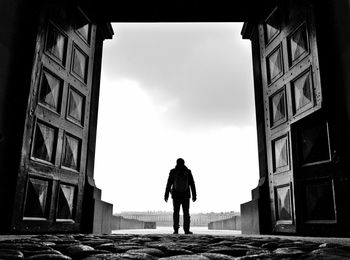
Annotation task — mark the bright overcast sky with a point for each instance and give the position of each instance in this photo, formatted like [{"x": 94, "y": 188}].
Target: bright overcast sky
[{"x": 176, "y": 90}]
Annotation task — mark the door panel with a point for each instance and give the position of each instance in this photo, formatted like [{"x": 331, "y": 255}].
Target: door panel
[
  {"x": 284, "y": 204},
  {"x": 37, "y": 202},
  {"x": 319, "y": 203},
  {"x": 52, "y": 172}
]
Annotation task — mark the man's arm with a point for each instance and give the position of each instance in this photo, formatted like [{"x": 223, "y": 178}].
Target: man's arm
[
  {"x": 193, "y": 187},
  {"x": 168, "y": 186}
]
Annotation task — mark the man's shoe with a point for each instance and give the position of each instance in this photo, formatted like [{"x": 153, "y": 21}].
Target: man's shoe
[
  {"x": 176, "y": 232},
  {"x": 188, "y": 232}
]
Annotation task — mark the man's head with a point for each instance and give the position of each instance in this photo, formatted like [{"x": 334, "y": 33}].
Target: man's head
[{"x": 180, "y": 162}]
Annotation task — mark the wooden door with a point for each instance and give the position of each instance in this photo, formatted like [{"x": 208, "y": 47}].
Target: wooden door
[
  {"x": 51, "y": 178},
  {"x": 292, "y": 91}
]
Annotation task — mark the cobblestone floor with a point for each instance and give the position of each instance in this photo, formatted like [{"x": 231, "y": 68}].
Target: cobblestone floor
[{"x": 169, "y": 247}]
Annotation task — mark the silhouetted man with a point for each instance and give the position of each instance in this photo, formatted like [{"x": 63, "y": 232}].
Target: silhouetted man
[{"x": 181, "y": 184}]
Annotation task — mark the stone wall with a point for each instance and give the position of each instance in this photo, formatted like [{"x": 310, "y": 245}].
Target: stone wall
[
  {"x": 233, "y": 223},
  {"x": 102, "y": 214},
  {"x": 150, "y": 225},
  {"x": 125, "y": 223}
]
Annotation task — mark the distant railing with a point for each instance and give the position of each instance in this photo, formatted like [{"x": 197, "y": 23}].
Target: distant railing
[{"x": 166, "y": 218}]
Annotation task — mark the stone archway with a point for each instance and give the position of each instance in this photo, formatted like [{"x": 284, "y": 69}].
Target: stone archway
[{"x": 301, "y": 88}]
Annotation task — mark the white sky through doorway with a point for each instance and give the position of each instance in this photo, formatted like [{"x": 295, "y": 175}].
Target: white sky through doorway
[{"x": 176, "y": 90}]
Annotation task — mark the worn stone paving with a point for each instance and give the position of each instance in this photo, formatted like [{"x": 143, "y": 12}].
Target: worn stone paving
[{"x": 167, "y": 247}]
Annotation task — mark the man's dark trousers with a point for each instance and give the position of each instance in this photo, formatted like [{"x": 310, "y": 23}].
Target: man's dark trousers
[{"x": 185, "y": 202}]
